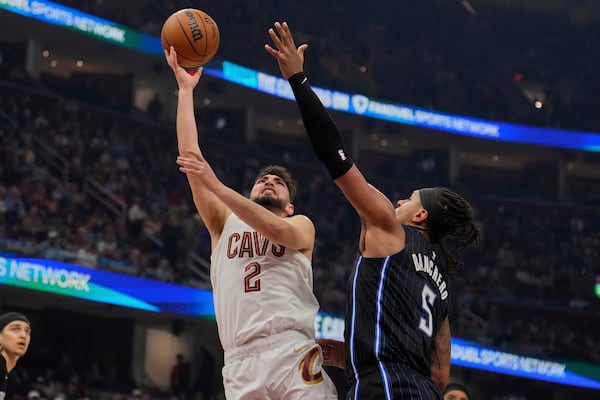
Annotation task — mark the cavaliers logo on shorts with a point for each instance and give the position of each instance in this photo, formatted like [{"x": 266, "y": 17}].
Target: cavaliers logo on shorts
[{"x": 307, "y": 366}]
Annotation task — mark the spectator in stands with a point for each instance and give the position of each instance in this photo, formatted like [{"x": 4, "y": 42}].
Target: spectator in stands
[
  {"x": 456, "y": 391},
  {"x": 180, "y": 377},
  {"x": 155, "y": 107},
  {"x": 15, "y": 336},
  {"x": 136, "y": 216},
  {"x": 205, "y": 374},
  {"x": 14, "y": 207}
]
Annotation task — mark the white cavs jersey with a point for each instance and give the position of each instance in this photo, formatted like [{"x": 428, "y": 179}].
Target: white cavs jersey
[{"x": 260, "y": 288}]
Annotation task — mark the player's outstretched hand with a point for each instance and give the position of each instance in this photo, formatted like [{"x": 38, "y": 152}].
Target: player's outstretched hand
[
  {"x": 289, "y": 58},
  {"x": 193, "y": 163},
  {"x": 334, "y": 353},
  {"x": 186, "y": 79}
]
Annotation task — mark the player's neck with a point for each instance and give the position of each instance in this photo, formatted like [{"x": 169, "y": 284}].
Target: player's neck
[
  {"x": 11, "y": 360},
  {"x": 423, "y": 231}
]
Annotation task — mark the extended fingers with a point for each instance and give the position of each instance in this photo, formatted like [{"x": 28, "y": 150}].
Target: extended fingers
[
  {"x": 276, "y": 40},
  {"x": 171, "y": 56},
  {"x": 271, "y": 50},
  {"x": 284, "y": 31},
  {"x": 281, "y": 35},
  {"x": 190, "y": 161},
  {"x": 286, "y": 35},
  {"x": 187, "y": 162}
]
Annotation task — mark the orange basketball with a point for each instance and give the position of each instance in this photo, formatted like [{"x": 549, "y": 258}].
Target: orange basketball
[{"x": 193, "y": 34}]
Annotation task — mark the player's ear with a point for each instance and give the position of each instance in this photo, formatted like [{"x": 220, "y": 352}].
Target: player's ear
[
  {"x": 421, "y": 216},
  {"x": 289, "y": 209}
]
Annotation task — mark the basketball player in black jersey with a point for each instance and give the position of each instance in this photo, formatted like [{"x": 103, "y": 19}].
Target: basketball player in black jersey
[
  {"x": 397, "y": 334},
  {"x": 15, "y": 336}
]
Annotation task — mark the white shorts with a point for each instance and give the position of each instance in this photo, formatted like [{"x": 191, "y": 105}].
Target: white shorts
[{"x": 285, "y": 366}]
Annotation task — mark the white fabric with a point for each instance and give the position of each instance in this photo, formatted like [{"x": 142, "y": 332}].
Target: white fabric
[
  {"x": 286, "y": 366},
  {"x": 260, "y": 288}
]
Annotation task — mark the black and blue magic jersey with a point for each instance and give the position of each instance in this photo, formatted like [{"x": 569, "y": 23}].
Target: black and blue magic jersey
[{"x": 395, "y": 306}]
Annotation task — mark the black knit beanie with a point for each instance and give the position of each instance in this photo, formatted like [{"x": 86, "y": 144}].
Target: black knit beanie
[{"x": 9, "y": 317}]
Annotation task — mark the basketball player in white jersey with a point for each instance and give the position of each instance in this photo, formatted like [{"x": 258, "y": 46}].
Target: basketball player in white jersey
[{"x": 261, "y": 272}]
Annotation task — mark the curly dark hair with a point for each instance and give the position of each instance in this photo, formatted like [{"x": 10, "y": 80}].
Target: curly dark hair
[{"x": 450, "y": 217}]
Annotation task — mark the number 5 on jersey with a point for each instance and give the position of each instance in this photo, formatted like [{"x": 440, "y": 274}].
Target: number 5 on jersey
[{"x": 426, "y": 323}]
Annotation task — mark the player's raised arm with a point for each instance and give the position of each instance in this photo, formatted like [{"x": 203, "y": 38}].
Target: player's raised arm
[
  {"x": 373, "y": 207},
  {"x": 212, "y": 211},
  {"x": 273, "y": 219}
]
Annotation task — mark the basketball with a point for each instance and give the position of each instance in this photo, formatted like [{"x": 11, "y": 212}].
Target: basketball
[{"x": 194, "y": 35}]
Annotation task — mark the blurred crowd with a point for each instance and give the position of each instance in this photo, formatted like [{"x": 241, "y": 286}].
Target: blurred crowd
[
  {"x": 64, "y": 382},
  {"x": 118, "y": 202},
  {"x": 437, "y": 54},
  {"x": 99, "y": 188},
  {"x": 76, "y": 182}
]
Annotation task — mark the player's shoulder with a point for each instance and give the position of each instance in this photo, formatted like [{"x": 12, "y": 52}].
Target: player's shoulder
[
  {"x": 301, "y": 220},
  {"x": 300, "y": 217}
]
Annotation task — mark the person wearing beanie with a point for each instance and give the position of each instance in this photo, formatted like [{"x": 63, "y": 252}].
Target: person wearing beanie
[
  {"x": 456, "y": 391},
  {"x": 15, "y": 336}
]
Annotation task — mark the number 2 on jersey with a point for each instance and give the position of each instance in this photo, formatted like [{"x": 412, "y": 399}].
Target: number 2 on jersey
[
  {"x": 426, "y": 322},
  {"x": 251, "y": 282}
]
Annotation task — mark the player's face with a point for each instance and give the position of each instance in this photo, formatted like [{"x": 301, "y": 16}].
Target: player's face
[
  {"x": 407, "y": 209},
  {"x": 456, "y": 395},
  {"x": 270, "y": 186},
  {"x": 15, "y": 338}
]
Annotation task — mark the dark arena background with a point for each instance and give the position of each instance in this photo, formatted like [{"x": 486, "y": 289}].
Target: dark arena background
[{"x": 100, "y": 244}]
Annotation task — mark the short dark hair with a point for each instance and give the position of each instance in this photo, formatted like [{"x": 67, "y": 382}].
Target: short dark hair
[
  {"x": 457, "y": 386},
  {"x": 284, "y": 174}
]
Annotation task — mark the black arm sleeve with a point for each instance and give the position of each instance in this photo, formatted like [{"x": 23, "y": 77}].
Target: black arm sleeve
[{"x": 323, "y": 133}]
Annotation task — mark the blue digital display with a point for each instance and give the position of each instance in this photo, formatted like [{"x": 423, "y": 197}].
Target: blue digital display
[
  {"x": 105, "y": 287},
  {"x": 473, "y": 355},
  {"x": 56, "y": 14},
  {"x": 362, "y": 105}
]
